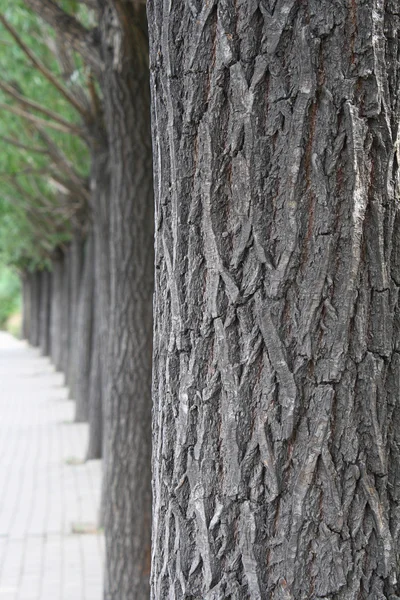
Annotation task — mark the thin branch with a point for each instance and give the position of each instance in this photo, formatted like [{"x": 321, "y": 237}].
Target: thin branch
[
  {"x": 84, "y": 41},
  {"x": 70, "y": 129},
  {"x": 30, "y": 104},
  {"x": 77, "y": 190},
  {"x": 92, "y": 4},
  {"x": 60, "y": 159},
  {"x": 39, "y": 210},
  {"x": 94, "y": 97},
  {"x": 17, "y": 144},
  {"x": 37, "y": 63},
  {"x": 66, "y": 60},
  {"x": 26, "y": 171}
]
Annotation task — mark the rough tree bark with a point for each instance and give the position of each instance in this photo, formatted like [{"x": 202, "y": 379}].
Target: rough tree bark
[
  {"x": 45, "y": 312},
  {"x": 26, "y": 300},
  {"x": 34, "y": 317},
  {"x": 66, "y": 312},
  {"x": 82, "y": 346},
  {"x": 100, "y": 210},
  {"x": 57, "y": 308},
  {"x": 277, "y": 364},
  {"x": 127, "y": 489},
  {"x": 95, "y": 441},
  {"x": 75, "y": 269}
]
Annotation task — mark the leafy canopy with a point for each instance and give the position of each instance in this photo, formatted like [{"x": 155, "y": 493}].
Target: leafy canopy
[{"x": 32, "y": 220}]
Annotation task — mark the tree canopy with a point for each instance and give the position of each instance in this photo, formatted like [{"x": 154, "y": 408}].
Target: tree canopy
[{"x": 44, "y": 163}]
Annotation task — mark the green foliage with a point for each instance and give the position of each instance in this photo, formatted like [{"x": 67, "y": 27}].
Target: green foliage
[
  {"x": 10, "y": 294},
  {"x": 31, "y": 221}
]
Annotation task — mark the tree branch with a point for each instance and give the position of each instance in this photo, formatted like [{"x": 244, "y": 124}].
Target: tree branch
[
  {"x": 68, "y": 66},
  {"x": 27, "y": 171},
  {"x": 61, "y": 161},
  {"x": 17, "y": 144},
  {"x": 84, "y": 41},
  {"x": 37, "y": 63},
  {"x": 40, "y": 208},
  {"x": 30, "y": 104},
  {"x": 92, "y": 4},
  {"x": 78, "y": 191},
  {"x": 70, "y": 129}
]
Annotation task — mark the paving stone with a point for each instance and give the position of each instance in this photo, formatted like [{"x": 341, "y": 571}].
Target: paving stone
[{"x": 41, "y": 495}]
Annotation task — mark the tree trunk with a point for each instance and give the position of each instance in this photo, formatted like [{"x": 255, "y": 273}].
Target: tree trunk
[
  {"x": 56, "y": 309},
  {"x": 66, "y": 313},
  {"x": 100, "y": 206},
  {"x": 76, "y": 254},
  {"x": 26, "y": 308},
  {"x": 95, "y": 442},
  {"x": 82, "y": 345},
  {"x": 45, "y": 314},
  {"x": 34, "y": 319},
  {"x": 127, "y": 491},
  {"x": 276, "y": 358}
]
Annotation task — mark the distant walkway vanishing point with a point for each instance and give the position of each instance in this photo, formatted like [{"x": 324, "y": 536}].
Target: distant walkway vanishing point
[{"x": 49, "y": 502}]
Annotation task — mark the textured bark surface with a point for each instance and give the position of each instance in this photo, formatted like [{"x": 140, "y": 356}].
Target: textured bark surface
[
  {"x": 66, "y": 313},
  {"x": 26, "y": 300},
  {"x": 34, "y": 307},
  {"x": 76, "y": 265},
  {"x": 127, "y": 490},
  {"x": 95, "y": 442},
  {"x": 277, "y": 365},
  {"x": 100, "y": 206},
  {"x": 45, "y": 312},
  {"x": 56, "y": 309},
  {"x": 82, "y": 347}
]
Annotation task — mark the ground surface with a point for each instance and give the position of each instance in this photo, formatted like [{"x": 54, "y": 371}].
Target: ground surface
[{"x": 44, "y": 494}]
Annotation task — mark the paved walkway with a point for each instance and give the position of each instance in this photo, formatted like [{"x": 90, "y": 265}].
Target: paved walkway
[{"x": 44, "y": 496}]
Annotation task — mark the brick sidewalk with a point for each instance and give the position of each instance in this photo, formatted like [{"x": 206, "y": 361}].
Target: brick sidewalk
[{"x": 41, "y": 495}]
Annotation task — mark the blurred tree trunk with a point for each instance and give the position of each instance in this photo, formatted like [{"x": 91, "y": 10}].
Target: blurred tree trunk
[
  {"x": 34, "y": 317},
  {"x": 83, "y": 337},
  {"x": 26, "y": 301},
  {"x": 75, "y": 262},
  {"x": 66, "y": 312},
  {"x": 277, "y": 365},
  {"x": 95, "y": 442},
  {"x": 127, "y": 489},
  {"x": 117, "y": 50},
  {"x": 100, "y": 207},
  {"x": 57, "y": 308},
  {"x": 45, "y": 311}
]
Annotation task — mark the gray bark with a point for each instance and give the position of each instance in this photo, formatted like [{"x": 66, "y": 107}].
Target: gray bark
[
  {"x": 57, "y": 309},
  {"x": 95, "y": 442},
  {"x": 66, "y": 313},
  {"x": 82, "y": 346},
  {"x": 100, "y": 205},
  {"x": 127, "y": 489},
  {"x": 100, "y": 228},
  {"x": 25, "y": 305},
  {"x": 75, "y": 263},
  {"x": 34, "y": 317},
  {"x": 276, "y": 360},
  {"x": 45, "y": 312}
]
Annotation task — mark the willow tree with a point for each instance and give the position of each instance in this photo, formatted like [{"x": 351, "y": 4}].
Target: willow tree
[{"x": 277, "y": 371}]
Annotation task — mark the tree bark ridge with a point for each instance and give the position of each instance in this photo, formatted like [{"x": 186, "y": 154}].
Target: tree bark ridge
[{"x": 276, "y": 377}]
